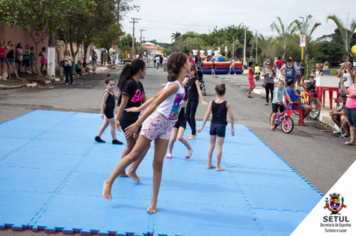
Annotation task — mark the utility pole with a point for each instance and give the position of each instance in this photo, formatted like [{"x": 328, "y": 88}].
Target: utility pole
[
  {"x": 233, "y": 46},
  {"x": 245, "y": 47},
  {"x": 141, "y": 35},
  {"x": 256, "y": 44},
  {"x": 134, "y": 20}
]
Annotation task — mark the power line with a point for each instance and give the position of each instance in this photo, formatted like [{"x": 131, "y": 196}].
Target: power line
[{"x": 167, "y": 23}]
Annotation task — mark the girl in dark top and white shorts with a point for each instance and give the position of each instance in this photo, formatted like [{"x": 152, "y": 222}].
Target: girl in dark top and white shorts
[
  {"x": 219, "y": 108},
  {"x": 107, "y": 110},
  {"x": 132, "y": 95},
  {"x": 193, "y": 94}
]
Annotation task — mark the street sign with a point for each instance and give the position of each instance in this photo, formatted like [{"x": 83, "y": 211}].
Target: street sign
[{"x": 302, "y": 40}]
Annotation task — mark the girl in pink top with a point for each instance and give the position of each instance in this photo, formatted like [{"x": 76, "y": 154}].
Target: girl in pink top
[
  {"x": 251, "y": 72},
  {"x": 44, "y": 58},
  {"x": 157, "y": 127},
  {"x": 2, "y": 55},
  {"x": 350, "y": 109}
]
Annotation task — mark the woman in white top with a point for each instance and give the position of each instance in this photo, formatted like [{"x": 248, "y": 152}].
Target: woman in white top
[
  {"x": 157, "y": 126},
  {"x": 348, "y": 73},
  {"x": 157, "y": 61},
  {"x": 44, "y": 58},
  {"x": 164, "y": 63}
]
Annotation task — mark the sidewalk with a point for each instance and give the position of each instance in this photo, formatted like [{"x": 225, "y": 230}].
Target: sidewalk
[
  {"x": 324, "y": 113},
  {"x": 31, "y": 80}
]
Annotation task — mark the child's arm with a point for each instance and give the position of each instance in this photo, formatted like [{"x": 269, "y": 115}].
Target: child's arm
[
  {"x": 206, "y": 117},
  {"x": 105, "y": 96},
  {"x": 200, "y": 94},
  {"x": 116, "y": 96},
  {"x": 163, "y": 95},
  {"x": 276, "y": 96},
  {"x": 232, "y": 119},
  {"x": 185, "y": 81},
  {"x": 144, "y": 104}
]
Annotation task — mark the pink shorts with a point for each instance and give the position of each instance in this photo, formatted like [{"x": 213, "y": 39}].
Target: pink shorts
[
  {"x": 44, "y": 61},
  {"x": 252, "y": 83},
  {"x": 157, "y": 126}
]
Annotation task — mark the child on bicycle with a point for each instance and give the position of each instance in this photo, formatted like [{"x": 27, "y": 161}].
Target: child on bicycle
[
  {"x": 277, "y": 102},
  {"x": 219, "y": 108}
]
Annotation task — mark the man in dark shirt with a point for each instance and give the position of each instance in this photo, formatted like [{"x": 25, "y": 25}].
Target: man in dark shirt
[{"x": 294, "y": 98}]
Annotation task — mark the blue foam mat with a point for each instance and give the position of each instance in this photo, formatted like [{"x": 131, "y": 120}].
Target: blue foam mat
[{"x": 51, "y": 176}]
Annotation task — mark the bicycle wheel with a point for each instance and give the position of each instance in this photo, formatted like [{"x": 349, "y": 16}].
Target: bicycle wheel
[
  {"x": 275, "y": 122},
  {"x": 304, "y": 100},
  {"x": 343, "y": 131},
  {"x": 287, "y": 124},
  {"x": 316, "y": 107}
]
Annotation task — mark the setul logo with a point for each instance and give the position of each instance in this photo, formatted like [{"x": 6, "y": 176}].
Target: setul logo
[{"x": 335, "y": 205}]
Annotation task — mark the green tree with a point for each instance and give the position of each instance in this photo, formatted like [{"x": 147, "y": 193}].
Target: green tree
[
  {"x": 329, "y": 51},
  {"x": 307, "y": 29},
  {"x": 38, "y": 16},
  {"x": 110, "y": 36},
  {"x": 284, "y": 34},
  {"x": 264, "y": 44},
  {"x": 346, "y": 32},
  {"x": 122, "y": 7}
]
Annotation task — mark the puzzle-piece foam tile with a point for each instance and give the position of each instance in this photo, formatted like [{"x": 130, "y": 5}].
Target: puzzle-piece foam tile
[
  {"x": 11, "y": 144},
  {"x": 96, "y": 214},
  {"x": 82, "y": 136},
  {"x": 86, "y": 184},
  {"x": 59, "y": 147},
  {"x": 15, "y": 178},
  {"x": 18, "y": 208},
  {"x": 24, "y": 133},
  {"x": 281, "y": 198},
  {"x": 276, "y": 178},
  {"x": 280, "y": 223},
  {"x": 39, "y": 160},
  {"x": 203, "y": 220}
]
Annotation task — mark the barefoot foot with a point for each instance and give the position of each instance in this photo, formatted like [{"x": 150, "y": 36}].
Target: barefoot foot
[
  {"x": 123, "y": 174},
  {"x": 107, "y": 190},
  {"x": 133, "y": 176},
  {"x": 219, "y": 169},
  {"x": 211, "y": 166},
  {"x": 152, "y": 209}
]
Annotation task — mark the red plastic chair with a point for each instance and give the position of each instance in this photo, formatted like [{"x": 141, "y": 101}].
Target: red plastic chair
[{"x": 290, "y": 112}]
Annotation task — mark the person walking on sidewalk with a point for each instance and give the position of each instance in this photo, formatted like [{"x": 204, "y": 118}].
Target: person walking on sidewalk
[
  {"x": 157, "y": 62},
  {"x": 251, "y": 72},
  {"x": 269, "y": 75},
  {"x": 67, "y": 66},
  {"x": 10, "y": 60},
  {"x": 232, "y": 66},
  {"x": 164, "y": 63},
  {"x": 44, "y": 58},
  {"x": 19, "y": 57},
  {"x": 94, "y": 59}
]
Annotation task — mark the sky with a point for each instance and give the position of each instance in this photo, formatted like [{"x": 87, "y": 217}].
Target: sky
[{"x": 161, "y": 18}]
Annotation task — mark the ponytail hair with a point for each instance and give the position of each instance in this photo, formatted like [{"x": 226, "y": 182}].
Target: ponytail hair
[
  {"x": 175, "y": 63},
  {"x": 130, "y": 70},
  {"x": 220, "y": 89}
]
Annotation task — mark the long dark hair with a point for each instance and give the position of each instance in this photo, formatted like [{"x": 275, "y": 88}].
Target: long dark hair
[
  {"x": 175, "y": 63},
  {"x": 196, "y": 59},
  {"x": 18, "y": 45},
  {"x": 130, "y": 70}
]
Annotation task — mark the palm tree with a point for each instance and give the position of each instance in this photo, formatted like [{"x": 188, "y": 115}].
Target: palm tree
[
  {"x": 264, "y": 44},
  {"x": 304, "y": 29},
  {"x": 284, "y": 33},
  {"x": 175, "y": 35},
  {"x": 346, "y": 33}
]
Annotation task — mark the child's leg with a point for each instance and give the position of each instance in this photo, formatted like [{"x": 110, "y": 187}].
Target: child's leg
[
  {"x": 219, "y": 153},
  {"x": 141, "y": 146},
  {"x": 103, "y": 127},
  {"x": 210, "y": 152},
  {"x": 172, "y": 141},
  {"x": 160, "y": 151},
  {"x": 182, "y": 139},
  {"x": 132, "y": 171},
  {"x": 112, "y": 128}
]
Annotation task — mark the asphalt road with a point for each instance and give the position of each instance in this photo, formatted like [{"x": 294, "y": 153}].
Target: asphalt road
[{"x": 313, "y": 151}]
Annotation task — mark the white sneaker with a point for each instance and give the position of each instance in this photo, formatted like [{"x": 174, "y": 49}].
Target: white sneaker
[{"x": 29, "y": 72}]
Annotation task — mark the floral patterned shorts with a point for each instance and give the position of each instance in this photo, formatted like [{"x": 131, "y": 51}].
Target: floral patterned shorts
[{"x": 157, "y": 126}]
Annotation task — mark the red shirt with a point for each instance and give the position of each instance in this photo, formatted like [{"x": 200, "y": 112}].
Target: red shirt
[
  {"x": 3, "y": 50},
  {"x": 192, "y": 61},
  {"x": 279, "y": 63}
]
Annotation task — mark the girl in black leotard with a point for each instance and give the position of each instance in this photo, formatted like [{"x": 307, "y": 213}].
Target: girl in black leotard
[
  {"x": 107, "y": 109},
  {"x": 193, "y": 94}
]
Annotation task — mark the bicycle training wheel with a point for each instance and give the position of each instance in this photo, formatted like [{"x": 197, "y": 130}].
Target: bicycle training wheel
[
  {"x": 316, "y": 107},
  {"x": 275, "y": 122},
  {"x": 342, "y": 131},
  {"x": 287, "y": 124}
]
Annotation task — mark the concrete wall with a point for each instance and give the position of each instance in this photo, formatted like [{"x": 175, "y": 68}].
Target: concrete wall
[{"x": 18, "y": 35}]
